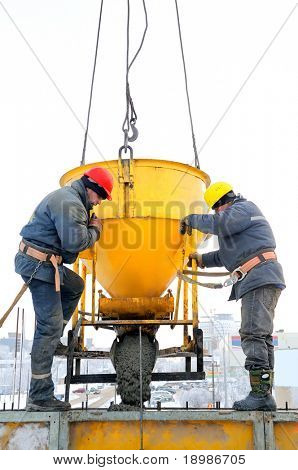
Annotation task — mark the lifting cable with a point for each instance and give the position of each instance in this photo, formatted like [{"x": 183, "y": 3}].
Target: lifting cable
[
  {"x": 130, "y": 119},
  {"x": 91, "y": 90},
  {"x": 197, "y": 163}
]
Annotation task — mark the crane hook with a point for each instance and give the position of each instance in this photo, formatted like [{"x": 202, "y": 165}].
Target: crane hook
[{"x": 135, "y": 132}]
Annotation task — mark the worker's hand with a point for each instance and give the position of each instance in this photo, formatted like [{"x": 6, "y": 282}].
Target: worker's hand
[
  {"x": 198, "y": 258},
  {"x": 95, "y": 222},
  {"x": 185, "y": 226}
]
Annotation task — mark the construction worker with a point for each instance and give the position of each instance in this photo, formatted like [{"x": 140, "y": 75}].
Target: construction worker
[
  {"x": 58, "y": 230},
  {"x": 246, "y": 249}
]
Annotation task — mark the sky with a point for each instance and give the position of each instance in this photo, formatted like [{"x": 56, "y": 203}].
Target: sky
[{"x": 242, "y": 69}]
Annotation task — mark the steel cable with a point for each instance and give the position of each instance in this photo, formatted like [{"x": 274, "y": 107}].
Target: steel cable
[
  {"x": 92, "y": 83},
  {"x": 197, "y": 163}
]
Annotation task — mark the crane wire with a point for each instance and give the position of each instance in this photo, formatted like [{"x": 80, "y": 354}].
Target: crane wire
[
  {"x": 131, "y": 115},
  {"x": 91, "y": 89},
  {"x": 197, "y": 163}
]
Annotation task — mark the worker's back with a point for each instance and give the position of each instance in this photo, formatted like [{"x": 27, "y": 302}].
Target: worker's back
[
  {"x": 242, "y": 232},
  {"x": 59, "y": 224}
]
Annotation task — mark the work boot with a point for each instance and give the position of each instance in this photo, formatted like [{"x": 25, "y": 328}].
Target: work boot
[
  {"x": 52, "y": 404},
  {"x": 61, "y": 349},
  {"x": 260, "y": 398}
]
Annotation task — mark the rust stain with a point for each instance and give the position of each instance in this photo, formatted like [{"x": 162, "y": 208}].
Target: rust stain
[{"x": 6, "y": 431}]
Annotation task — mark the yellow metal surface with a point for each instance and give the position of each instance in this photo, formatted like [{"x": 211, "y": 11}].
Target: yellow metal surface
[
  {"x": 185, "y": 312},
  {"x": 83, "y": 274},
  {"x": 194, "y": 287},
  {"x": 148, "y": 307},
  {"x": 170, "y": 435},
  {"x": 93, "y": 279},
  {"x": 139, "y": 251},
  {"x": 286, "y": 435},
  {"x": 14, "y": 436},
  {"x": 75, "y": 315}
]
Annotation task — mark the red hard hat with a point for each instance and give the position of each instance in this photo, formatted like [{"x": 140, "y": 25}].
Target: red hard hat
[{"x": 103, "y": 178}]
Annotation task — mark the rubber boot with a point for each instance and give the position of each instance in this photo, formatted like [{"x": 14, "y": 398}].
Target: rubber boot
[
  {"x": 52, "y": 404},
  {"x": 61, "y": 349},
  {"x": 260, "y": 397}
]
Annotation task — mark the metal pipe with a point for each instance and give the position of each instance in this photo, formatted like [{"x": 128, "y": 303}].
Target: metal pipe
[
  {"x": 185, "y": 312},
  {"x": 28, "y": 383},
  {"x": 15, "y": 356},
  {"x": 225, "y": 373},
  {"x": 83, "y": 304},
  {"x": 194, "y": 290},
  {"x": 141, "y": 391},
  {"x": 178, "y": 290},
  {"x": 223, "y": 337},
  {"x": 76, "y": 312},
  {"x": 93, "y": 289},
  {"x": 21, "y": 358},
  {"x": 213, "y": 384},
  {"x": 87, "y": 371},
  {"x": 139, "y": 322}
]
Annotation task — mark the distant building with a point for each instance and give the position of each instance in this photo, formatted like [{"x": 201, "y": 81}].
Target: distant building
[{"x": 11, "y": 343}]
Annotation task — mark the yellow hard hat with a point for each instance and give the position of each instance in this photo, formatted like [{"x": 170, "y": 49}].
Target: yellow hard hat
[{"x": 215, "y": 192}]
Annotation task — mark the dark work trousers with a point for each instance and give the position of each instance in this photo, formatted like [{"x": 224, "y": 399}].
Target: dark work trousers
[
  {"x": 53, "y": 310},
  {"x": 257, "y": 314}
]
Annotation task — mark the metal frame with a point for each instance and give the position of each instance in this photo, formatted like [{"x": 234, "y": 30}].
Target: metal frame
[
  {"x": 24, "y": 417},
  {"x": 256, "y": 417},
  {"x": 263, "y": 422},
  {"x": 270, "y": 418},
  {"x": 77, "y": 378},
  {"x": 59, "y": 422},
  {"x": 76, "y": 335}
]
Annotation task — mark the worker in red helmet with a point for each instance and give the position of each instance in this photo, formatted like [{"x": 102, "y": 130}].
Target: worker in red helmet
[{"x": 59, "y": 229}]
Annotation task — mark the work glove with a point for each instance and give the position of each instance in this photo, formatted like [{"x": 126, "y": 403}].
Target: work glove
[
  {"x": 185, "y": 226},
  {"x": 95, "y": 222},
  {"x": 198, "y": 259}
]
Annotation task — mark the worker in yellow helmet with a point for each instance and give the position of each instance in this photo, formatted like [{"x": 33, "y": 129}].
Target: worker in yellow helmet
[{"x": 247, "y": 250}]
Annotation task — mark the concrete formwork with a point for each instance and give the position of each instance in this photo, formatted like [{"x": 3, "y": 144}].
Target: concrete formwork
[
  {"x": 281, "y": 430},
  {"x": 165, "y": 429}
]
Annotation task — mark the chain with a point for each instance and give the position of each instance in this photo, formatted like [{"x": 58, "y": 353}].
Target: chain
[{"x": 34, "y": 272}]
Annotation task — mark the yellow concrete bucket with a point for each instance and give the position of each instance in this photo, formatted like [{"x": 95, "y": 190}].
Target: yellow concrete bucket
[{"x": 139, "y": 251}]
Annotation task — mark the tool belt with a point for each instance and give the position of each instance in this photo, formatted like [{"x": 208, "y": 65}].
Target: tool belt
[
  {"x": 239, "y": 273},
  {"x": 41, "y": 256}
]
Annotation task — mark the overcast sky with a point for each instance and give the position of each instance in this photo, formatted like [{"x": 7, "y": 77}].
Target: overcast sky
[{"x": 243, "y": 73}]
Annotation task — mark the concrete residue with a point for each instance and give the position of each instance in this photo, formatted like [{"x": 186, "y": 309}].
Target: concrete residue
[
  {"x": 34, "y": 436},
  {"x": 125, "y": 356},
  {"x": 123, "y": 407}
]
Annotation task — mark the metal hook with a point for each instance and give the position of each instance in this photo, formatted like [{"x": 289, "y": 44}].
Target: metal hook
[{"x": 135, "y": 133}]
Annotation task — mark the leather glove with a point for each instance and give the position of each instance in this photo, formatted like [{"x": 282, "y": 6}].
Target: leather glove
[
  {"x": 185, "y": 227},
  {"x": 198, "y": 259}
]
